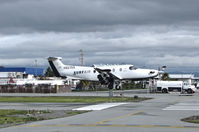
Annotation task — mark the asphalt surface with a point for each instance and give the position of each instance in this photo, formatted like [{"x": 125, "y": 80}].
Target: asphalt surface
[{"x": 161, "y": 114}]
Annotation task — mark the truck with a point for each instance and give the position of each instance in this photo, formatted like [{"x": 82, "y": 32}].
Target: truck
[{"x": 175, "y": 86}]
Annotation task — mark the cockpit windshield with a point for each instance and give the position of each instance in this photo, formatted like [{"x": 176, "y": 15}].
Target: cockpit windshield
[{"x": 132, "y": 68}]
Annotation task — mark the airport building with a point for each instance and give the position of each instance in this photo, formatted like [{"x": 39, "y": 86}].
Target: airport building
[
  {"x": 22, "y": 80},
  {"x": 187, "y": 78},
  {"x": 20, "y": 72}
]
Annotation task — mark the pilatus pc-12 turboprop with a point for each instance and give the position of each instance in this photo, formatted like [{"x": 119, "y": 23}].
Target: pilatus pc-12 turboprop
[{"x": 111, "y": 75}]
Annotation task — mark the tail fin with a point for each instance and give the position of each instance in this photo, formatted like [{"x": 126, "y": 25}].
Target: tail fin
[{"x": 56, "y": 65}]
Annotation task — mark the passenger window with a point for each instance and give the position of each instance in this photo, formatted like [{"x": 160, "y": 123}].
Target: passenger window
[
  {"x": 120, "y": 69},
  {"x": 94, "y": 71},
  {"x": 113, "y": 69}
]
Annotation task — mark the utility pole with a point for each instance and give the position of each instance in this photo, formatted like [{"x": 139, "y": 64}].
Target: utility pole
[
  {"x": 36, "y": 67},
  {"x": 82, "y": 56}
]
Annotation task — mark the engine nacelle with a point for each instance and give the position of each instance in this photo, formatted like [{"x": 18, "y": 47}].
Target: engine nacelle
[{"x": 104, "y": 80}]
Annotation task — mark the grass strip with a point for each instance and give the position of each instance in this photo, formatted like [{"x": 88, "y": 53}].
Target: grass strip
[
  {"x": 15, "y": 117},
  {"x": 72, "y": 99},
  {"x": 194, "y": 121}
]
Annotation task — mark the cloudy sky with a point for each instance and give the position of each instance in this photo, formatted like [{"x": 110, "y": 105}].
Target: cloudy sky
[{"x": 146, "y": 33}]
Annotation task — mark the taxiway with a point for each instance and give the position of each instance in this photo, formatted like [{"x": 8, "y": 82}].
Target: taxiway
[{"x": 162, "y": 113}]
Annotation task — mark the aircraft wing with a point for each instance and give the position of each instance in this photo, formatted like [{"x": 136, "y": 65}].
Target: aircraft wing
[
  {"x": 102, "y": 70},
  {"x": 108, "y": 72}
]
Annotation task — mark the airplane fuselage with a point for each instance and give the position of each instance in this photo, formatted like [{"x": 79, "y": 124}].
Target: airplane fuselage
[{"x": 121, "y": 72}]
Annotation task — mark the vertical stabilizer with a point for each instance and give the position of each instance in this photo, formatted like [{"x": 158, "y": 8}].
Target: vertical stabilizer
[{"x": 56, "y": 65}]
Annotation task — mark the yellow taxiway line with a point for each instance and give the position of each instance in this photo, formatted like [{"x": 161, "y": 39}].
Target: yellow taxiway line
[
  {"x": 102, "y": 124},
  {"x": 120, "y": 117}
]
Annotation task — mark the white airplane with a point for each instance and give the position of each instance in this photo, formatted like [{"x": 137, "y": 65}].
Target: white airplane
[{"x": 110, "y": 75}]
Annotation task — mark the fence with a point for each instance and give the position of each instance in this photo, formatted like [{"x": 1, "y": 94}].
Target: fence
[{"x": 29, "y": 88}]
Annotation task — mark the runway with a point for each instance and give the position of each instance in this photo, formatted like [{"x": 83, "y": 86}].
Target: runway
[{"x": 151, "y": 116}]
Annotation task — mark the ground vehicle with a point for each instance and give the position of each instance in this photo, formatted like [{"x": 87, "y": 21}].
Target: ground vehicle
[{"x": 175, "y": 86}]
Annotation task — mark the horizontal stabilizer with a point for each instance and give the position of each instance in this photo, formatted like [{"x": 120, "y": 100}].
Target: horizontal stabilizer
[{"x": 54, "y": 58}]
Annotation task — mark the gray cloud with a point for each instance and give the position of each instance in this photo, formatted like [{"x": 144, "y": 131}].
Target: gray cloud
[
  {"x": 140, "y": 48},
  {"x": 142, "y": 32},
  {"x": 92, "y": 15}
]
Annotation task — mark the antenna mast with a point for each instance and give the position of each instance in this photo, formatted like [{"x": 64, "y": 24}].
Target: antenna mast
[{"x": 82, "y": 56}]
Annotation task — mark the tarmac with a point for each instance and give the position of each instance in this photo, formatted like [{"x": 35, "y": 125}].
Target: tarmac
[{"x": 163, "y": 113}]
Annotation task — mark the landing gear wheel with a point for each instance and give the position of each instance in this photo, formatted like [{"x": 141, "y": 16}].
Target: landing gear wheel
[
  {"x": 164, "y": 90},
  {"x": 189, "y": 91},
  {"x": 118, "y": 87}
]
